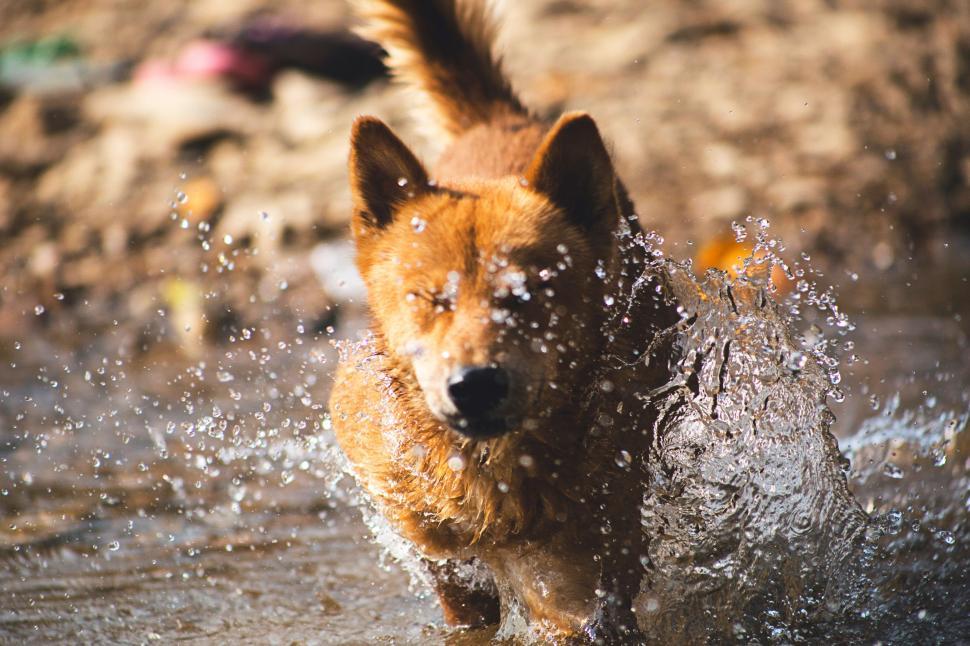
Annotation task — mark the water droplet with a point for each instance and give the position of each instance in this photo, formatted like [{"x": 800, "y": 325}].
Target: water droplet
[
  {"x": 740, "y": 232},
  {"x": 418, "y": 225},
  {"x": 402, "y": 181},
  {"x": 456, "y": 463},
  {"x": 227, "y": 239},
  {"x": 894, "y": 521},
  {"x": 946, "y": 537},
  {"x": 796, "y": 361},
  {"x": 890, "y": 470},
  {"x": 38, "y": 310},
  {"x": 890, "y": 154}
]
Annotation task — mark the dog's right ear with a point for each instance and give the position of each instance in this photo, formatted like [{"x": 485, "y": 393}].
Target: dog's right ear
[
  {"x": 573, "y": 168},
  {"x": 384, "y": 174}
]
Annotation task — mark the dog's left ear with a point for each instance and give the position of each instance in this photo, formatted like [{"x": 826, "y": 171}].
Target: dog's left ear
[
  {"x": 574, "y": 170},
  {"x": 384, "y": 174}
]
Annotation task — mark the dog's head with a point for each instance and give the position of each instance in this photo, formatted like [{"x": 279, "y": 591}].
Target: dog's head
[{"x": 492, "y": 291}]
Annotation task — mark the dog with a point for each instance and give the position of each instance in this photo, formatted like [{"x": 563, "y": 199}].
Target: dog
[
  {"x": 469, "y": 416},
  {"x": 502, "y": 411}
]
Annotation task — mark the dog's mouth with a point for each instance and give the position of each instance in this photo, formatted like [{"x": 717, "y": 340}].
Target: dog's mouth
[{"x": 480, "y": 428}]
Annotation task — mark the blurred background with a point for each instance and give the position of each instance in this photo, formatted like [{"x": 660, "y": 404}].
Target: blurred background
[
  {"x": 173, "y": 263},
  {"x": 139, "y": 137}
]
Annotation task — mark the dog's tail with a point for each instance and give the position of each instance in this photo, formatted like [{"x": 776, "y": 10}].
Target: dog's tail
[{"x": 444, "y": 48}]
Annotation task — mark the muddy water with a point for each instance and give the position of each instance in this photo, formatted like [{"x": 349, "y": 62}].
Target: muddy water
[{"x": 158, "y": 498}]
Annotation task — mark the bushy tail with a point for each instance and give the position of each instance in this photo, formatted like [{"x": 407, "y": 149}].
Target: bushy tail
[{"x": 444, "y": 48}]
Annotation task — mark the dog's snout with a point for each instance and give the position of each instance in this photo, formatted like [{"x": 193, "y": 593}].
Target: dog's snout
[{"x": 478, "y": 391}]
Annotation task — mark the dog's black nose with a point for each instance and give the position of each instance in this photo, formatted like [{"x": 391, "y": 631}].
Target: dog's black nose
[{"x": 477, "y": 391}]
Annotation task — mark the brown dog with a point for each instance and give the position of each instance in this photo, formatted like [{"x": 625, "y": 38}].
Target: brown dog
[{"x": 482, "y": 416}]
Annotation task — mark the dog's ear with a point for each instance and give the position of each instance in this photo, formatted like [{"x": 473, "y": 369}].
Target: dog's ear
[
  {"x": 384, "y": 174},
  {"x": 572, "y": 168}
]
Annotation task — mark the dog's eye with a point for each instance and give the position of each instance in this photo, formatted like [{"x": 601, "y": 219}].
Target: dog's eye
[
  {"x": 511, "y": 296},
  {"x": 513, "y": 288},
  {"x": 520, "y": 288},
  {"x": 438, "y": 300}
]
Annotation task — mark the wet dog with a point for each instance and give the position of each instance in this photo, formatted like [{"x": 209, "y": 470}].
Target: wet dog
[{"x": 501, "y": 413}]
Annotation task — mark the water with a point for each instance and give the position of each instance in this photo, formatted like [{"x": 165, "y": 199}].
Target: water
[
  {"x": 160, "y": 500},
  {"x": 154, "y": 497}
]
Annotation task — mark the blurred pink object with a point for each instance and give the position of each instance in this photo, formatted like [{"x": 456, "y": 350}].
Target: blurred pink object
[
  {"x": 209, "y": 58},
  {"x": 154, "y": 71},
  {"x": 204, "y": 59}
]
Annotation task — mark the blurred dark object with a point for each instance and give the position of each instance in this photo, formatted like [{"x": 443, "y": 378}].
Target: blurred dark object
[
  {"x": 334, "y": 54},
  {"x": 250, "y": 58}
]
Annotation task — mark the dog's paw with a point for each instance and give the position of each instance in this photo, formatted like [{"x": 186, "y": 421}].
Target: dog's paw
[{"x": 613, "y": 625}]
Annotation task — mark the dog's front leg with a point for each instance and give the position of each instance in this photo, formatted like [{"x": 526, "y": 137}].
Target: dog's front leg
[
  {"x": 466, "y": 592},
  {"x": 613, "y": 622}
]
